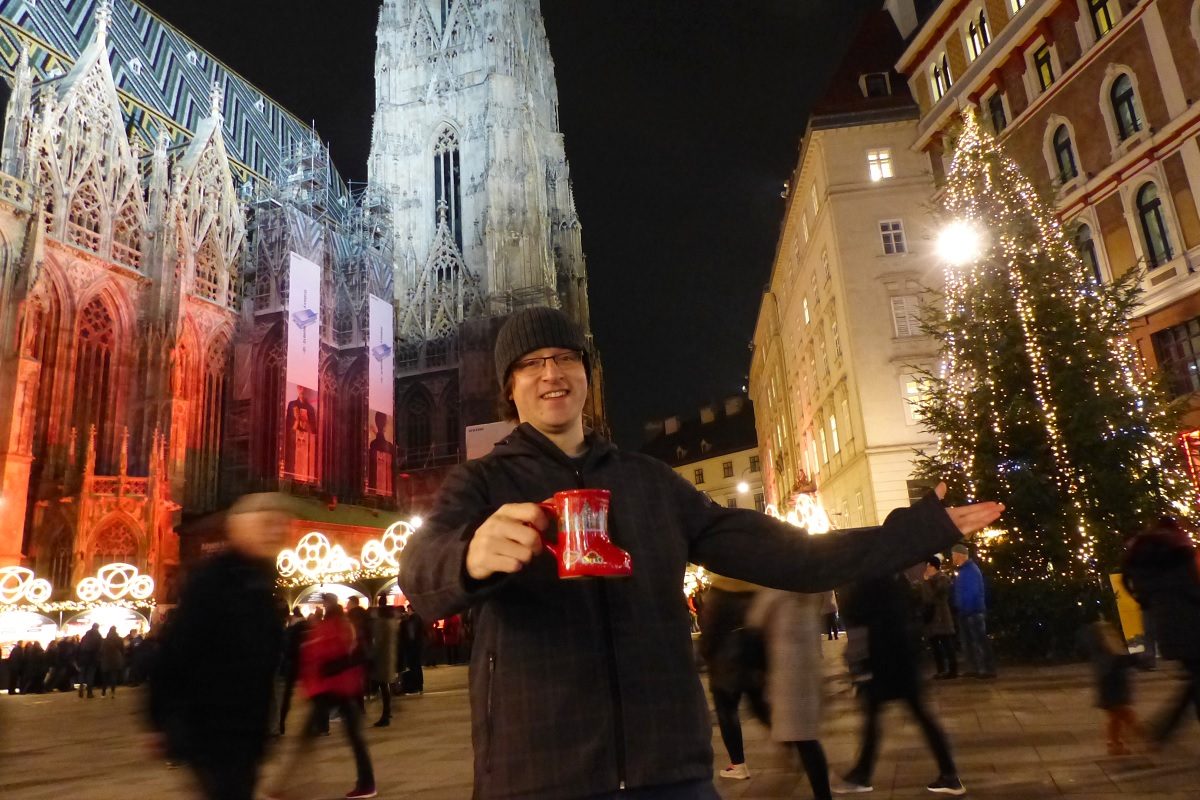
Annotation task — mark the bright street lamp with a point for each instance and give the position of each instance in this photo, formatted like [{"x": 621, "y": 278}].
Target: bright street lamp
[
  {"x": 960, "y": 242},
  {"x": 743, "y": 487}
]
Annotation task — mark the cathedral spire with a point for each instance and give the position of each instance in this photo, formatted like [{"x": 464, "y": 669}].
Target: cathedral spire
[
  {"x": 216, "y": 101},
  {"x": 103, "y": 17}
]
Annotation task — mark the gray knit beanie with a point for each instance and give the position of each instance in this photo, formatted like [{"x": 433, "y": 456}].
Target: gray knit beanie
[{"x": 532, "y": 329}]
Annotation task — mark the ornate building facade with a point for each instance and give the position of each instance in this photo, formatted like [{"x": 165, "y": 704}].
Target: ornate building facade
[{"x": 467, "y": 151}]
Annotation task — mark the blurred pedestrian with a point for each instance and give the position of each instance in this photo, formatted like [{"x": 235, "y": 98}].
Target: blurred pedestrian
[
  {"x": 412, "y": 638},
  {"x": 829, "y": 613},
  {"x": 1160, "y": 572},
  {"x": 1112, "y": 662},
  {"x": 382, "y": 670},
  {"x": 938, "y": 619},
  {"x": 35, "y": 668},
  {"x": 289, "y": 668},
  {"x": 792, "y": 624},
  {"x": 882, "y": 607},
  {"x": 452, "y": 638},
  {"x": 88, "y": 659},
  {"x": 16, "y": 667},
  {"x": 331, "y": 672},
  {"x": 728, "y": 648},
  {"x": 212, "y": 683},
  {"x": 112, "y": 661},
  {"x": 971, "y": 604}
]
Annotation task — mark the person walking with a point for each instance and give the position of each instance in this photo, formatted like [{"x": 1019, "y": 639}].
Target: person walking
[
  {"x": 792, "y": 624},
  {"x": 1160, "y": 572},
  {"x": 213, "y": 676},
  {"x": 16, "y": 667},
  {"x": 829, "y": 613},
  {"x": 969, "y": 600},
  {"x": 289, "y": 663},
  {"x": 88, "y": 657},
  {"x": 938, "y": 619},
  {"x": 1112, "y": 662},
  {"x": 589, "y": 688},
  {"x": 112, "y": 662},
  {"x": 384, "y": 633},
  {"x": 882, "y": 607},
  {"x": 412, "y": 645},
  {"x": 332, "y": 676},
  {"x": 727, "y": 647}
]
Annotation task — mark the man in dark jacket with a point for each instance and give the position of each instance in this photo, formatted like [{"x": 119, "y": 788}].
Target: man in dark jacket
[
  {"x": 588, "y": 688},
  {"x": 211, "y": 690},
  {"x": 1160, "y": 571},
  {"x": 89, "y": 659}
]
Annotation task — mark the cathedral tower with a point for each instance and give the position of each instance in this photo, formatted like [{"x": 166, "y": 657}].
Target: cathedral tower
[{"x": 466, "y": 146}]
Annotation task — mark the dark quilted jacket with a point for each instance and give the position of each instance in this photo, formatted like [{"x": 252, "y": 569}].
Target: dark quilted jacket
[{"x": 585, "y": 686}]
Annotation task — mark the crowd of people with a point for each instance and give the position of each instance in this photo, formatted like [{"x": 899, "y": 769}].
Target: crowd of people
[{"x": 79, "y": 663}]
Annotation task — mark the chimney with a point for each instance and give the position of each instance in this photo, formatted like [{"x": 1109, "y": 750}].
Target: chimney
[
  {"x": 708, "y": 414},
  {"x": 904, "y": 13},
  {"x": 671, "y": 425},
  {"x": 653, "y": 429}
]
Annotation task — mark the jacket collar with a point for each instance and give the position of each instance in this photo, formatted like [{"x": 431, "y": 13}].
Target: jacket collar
[{"x": 527, "y": 440}]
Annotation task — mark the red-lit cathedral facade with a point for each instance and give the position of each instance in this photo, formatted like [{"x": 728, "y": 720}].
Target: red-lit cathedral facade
[{"x": 118, "y": 272}]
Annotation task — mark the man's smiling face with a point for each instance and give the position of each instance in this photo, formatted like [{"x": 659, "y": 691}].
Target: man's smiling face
[{"x": 549, "y": 395}]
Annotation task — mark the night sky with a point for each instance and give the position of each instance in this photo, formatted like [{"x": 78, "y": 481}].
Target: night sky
[{"x": 682, "y": 120}]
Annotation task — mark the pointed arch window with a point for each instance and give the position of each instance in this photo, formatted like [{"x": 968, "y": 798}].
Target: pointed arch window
[
  {"x": 95, "y": 384},
  {"x": 127, "y": 237},
  {"x": 1064, "y": 155},
  {"x": 1086, "y": 243},
  {"x": 115, "y": 544},
  {"x": 1154, "y": 226},
  {"x": 447, "y": 183},
  {"x": 940, "y": 77},
  {"x": 418, "y": 412},
  {"x": 1124, "y": 107},
  {"x": 60, "y": 560},
  {"x": 83, "y": 219},
  {"x": 208, "y": 271},
  {"x": 978, "y": 35}
]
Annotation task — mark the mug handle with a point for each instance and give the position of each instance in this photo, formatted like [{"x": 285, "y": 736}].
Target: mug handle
[{"x": 549, "y": 542}]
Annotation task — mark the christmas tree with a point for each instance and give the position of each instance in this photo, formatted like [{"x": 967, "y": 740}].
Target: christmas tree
[{"x": 1038, "y": 400}]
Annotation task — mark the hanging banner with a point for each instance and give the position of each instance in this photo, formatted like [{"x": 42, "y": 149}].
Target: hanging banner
[
  {"x": 381, "y": 446},
  {"x": 303, "y": 359}
]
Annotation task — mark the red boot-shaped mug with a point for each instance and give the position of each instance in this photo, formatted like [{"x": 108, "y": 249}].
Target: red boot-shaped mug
[{"x": 583, "y": 548}]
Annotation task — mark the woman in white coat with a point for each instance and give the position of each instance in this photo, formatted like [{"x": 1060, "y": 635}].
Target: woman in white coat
[{"x": 792, "y": 626}]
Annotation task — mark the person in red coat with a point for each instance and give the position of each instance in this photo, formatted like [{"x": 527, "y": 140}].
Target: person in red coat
[{"x": 331, "y": 673}]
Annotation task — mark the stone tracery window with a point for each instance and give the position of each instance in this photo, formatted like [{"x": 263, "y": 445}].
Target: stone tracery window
[
  {"x": 447, "y": 182},
  {"x": 95, "y": 387},
  {"x": 127, "y": 237},
  {"x": 115, "y": 543},
  {"x": 83, "y": 220},
  {"x": 208, "y": 271},
  {"x": 418, "y": 412}
]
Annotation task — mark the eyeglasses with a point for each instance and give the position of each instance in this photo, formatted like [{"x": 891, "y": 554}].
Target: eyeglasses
[{"x": 534, "y": 365}]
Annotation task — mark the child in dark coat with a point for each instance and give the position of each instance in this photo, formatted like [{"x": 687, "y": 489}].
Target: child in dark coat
[{"x": 1112, "y": 661}]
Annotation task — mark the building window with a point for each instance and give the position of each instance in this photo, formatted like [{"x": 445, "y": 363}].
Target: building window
[
  {"x": 754, "y": 465},
  {"x": 876, "y": 84},
  {"x": 1178, "y": 352},
  {"x": 727, "y": 469},
  {"x": 859, "y": 510},
  {"x": 906, "y": 315},
  {"x": 892, "y": 233},
  {"x": 815, "y": 197},
  {"x": 1124, "y": 107},
  {"x": 807, "y": 316},
  {"x": 995, "y": 105},
  {"x": 914, "y": 395},
  {"x": 833, "y": 435},
  {"x": 879, "y": 162},
  {"x": 978, "y": 36},
  {"x": 837, "y": 339},
  {"x": 1154, "y": 226},
  {"x": 824, "y": 447},
  {"x": 1102, "y": 18},
  {"x": 804, "y": 226},
  {"x": 812, "y": 447},
  {"x": 699, "y": 476},
  {"x": 760, "y": 502},
  {"x": 1064, "y": 155},
  {"x": 1087, "y": 251},
  {"x": 939, "y": 77},
  {"x": 447, "y": 188},
  {"x": 1043, "y": 66},
  {"x": 731, "y": 502},
  {"x": 847, "y": 428}
]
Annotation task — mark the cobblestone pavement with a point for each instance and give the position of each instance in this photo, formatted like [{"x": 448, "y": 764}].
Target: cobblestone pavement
[{"x": 1032, "y": 733}]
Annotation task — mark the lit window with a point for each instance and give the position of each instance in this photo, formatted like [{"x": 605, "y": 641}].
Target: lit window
[
  {"x": 1043, "y": 66},
  {"x": 978, "y": 35},
  {"x": 760, "y": 503},
  {"x": 847, "y": 429},
  {"x": 879, "y": 162},
  {"x": 833, "y": 435},
  {"x": 1064, "y": 155},
  {"x": 807, "y": 316},
  {"x": 812, "y": 449},
  {"x": 892, "y": 234},
  {"x": 1016, "y": 5},
  {"x": 1154, "y": 226},
  {"x": 824, "y": 447},
  {"x": 914, "y": 395},
  {"x": 731, "y": 502},
  {"x": 1102, "y": 18},
  {"x": 906, "y": 315},
  {"x": 1124, "y": 107},
  {"x": 1177, "y": 350}
]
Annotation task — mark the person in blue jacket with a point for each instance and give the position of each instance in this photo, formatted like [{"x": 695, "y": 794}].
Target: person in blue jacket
[{"x": 972, "y": 615}]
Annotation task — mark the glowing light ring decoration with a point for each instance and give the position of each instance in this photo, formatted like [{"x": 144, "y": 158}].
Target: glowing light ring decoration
[
  {"x": 312, "y": 553},
  {"x": 18, "y": 584},
  {"x": 315, "y": 557},
  {"x": 115, "y": 582}
]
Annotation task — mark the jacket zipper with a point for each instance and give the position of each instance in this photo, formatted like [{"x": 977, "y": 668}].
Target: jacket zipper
[
  {"x": 614, "y": 683},
  {"x": 487, "y": 757}
]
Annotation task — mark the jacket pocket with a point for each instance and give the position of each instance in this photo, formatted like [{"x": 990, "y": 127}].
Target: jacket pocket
[{"x": 489, "y": 717}]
